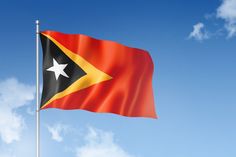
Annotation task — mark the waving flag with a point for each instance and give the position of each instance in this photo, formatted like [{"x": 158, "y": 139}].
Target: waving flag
[{"x": 80, "y": 72}]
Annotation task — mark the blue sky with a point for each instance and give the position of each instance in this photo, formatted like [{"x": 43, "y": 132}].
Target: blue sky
[{"x": 192, "y": 44}]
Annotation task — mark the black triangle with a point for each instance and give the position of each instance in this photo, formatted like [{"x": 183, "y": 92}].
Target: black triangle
[{"x": 51, "y": 86}]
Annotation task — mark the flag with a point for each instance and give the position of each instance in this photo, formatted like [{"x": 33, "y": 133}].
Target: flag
[{"x": 80, "y": 72}]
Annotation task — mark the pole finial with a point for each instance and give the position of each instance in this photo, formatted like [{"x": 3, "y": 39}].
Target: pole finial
[{"x": 37, "y": 22}]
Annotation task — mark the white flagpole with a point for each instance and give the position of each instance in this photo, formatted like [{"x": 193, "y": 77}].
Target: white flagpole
[{"x": 37, "y": 92}]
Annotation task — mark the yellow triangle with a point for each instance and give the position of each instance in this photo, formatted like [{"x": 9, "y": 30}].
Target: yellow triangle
[{"x": 93, "y": 75}]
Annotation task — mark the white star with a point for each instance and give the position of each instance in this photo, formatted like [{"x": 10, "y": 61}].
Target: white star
[{"x": 58, "y": 69}]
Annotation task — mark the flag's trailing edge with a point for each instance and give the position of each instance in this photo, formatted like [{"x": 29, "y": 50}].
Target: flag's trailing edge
[{"x": 80, "y": 72}]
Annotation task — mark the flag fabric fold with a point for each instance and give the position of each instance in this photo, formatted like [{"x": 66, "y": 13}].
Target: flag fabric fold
[{"x": 80, "y": 72}]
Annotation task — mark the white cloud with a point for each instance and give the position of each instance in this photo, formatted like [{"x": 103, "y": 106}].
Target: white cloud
[
  {"x": 199, "y": 33},
  {"x": 57, "y": 130},
  {"x": 18, "y": 149},
  {"x": 227, "y": 12},
  {"x": 100, "y": 144},
  {"x": 13, "y": 94}
]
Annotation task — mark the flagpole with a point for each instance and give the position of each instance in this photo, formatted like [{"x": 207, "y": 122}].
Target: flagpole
[{"x": 37, "y": 92}]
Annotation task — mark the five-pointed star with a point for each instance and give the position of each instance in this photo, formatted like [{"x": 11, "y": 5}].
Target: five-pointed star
[{"x": 58, "y": 69}]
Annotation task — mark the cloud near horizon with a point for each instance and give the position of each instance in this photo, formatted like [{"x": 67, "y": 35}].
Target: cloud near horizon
[
  {"x": 13, "y": 95},
  {"x": 57, "y": 131},
  {"x": 100, "y": 144}
]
